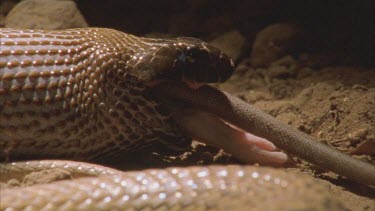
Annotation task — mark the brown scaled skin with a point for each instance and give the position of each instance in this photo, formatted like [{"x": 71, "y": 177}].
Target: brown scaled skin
[{"x": 251, "y": 119}]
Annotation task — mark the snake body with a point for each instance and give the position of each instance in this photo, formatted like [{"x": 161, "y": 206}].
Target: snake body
[
  {"x": 83, "y": 94},
  {"x": 193, "y": 188},
  {"x": 63, "y": 92}
]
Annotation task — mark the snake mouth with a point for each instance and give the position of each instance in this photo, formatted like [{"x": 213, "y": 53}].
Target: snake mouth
[{"x": 210, "y": 127}]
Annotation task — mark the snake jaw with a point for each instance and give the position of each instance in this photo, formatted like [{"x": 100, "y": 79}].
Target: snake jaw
[
  {"x": 202, "y": 63},
  {"x": 183, "y": 59},
  {"x": 209, "y": 128}
]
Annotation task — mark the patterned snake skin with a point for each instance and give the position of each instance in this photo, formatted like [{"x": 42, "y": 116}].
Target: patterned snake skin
[
  {"x": 193, "y": 188},
  {"x": 63, "y": 92},
  {"x": 82, "y": 94}
]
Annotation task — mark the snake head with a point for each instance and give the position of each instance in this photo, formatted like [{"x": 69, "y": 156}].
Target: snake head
[{"x": 185, "y": 59}]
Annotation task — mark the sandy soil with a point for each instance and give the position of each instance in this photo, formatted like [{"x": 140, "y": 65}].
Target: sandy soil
[{"x": 334, "y": 104}]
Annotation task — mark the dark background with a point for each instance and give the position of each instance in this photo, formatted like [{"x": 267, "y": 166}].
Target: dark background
[{"x": 346, "y": 26}]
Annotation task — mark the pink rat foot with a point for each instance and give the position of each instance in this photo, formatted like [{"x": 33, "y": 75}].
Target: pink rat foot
[{"x": 244, "y": 146}]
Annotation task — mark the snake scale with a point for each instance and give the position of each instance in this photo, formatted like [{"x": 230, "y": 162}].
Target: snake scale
[{"x": 89, "y": 95}]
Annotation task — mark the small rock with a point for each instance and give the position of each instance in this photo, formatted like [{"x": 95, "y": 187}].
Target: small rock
[
  {"x": 274, "y": 42},
  {"x": 46, "y": 176},
  {"x": 359, "y": 87},
  {"x": 12, "y": 183},
  {"x": 232, "y": 43},
  {"x": 45, "y": 14}
]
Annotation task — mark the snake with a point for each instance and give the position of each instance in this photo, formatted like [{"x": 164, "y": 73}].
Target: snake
[{"x": 69, "y": 97}]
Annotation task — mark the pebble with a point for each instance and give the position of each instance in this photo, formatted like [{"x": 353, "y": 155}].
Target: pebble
[{"x": 45, "y": 14}]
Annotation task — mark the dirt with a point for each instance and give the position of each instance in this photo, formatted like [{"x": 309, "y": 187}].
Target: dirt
[{"x": 332, "y": 103}]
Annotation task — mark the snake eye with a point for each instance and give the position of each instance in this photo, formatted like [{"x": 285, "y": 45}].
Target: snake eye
[
  {"x": 182, "y": 58},
  {"x": 194, "y": 55},
  {"x": 193, "y": 63}
]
